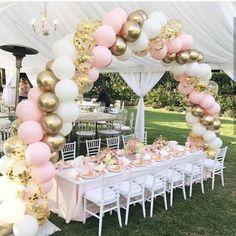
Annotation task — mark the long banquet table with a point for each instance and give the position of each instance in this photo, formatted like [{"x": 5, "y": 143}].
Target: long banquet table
[{"x": 66, "y": 197}]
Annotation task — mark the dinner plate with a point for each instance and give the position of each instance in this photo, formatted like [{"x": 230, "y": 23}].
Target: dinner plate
[
  {"x": 140, "y": 163},
  {"x": 89, "y": 176},
  {"x": 115, "y": 168}
]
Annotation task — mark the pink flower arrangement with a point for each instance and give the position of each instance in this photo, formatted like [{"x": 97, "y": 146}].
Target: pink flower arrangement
[
  {"x": 134, "y": 146},
  {"x": 107, "y": 156}
]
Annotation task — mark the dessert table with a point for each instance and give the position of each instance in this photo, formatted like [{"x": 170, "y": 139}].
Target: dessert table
[{"x": 66, "y": 196}]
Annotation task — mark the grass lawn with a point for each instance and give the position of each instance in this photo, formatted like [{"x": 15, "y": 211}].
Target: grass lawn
[{"x": 212, "y": 213}]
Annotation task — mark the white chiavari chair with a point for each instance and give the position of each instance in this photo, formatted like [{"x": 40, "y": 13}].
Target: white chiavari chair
[
  {"x": 194, "y": 171},
  {"x": 216, "y": 166},
  {"x": 126, "y": 138},
  {"x": 175, "y": 176},
  {"x": 93, "y": 146},
  {"x": 155, "y": 184},
  {"x": 109, "y": 130},
  {"x": 69, "y": 151},
  {"x": 133, "y": 191},
  {"x": 107, "y": 198},
  {"x": 113, "y": 143}
]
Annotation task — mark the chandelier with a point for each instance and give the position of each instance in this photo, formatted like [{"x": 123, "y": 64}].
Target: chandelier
[{"x": 45, "y": 27}]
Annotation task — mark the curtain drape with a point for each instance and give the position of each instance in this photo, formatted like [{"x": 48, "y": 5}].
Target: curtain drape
[{"x": 141, "y": 83}]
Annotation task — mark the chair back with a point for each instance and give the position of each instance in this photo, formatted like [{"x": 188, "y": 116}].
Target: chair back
[
  {"x": 113, "y": 143},
  {"x": 220, "y": 155},
  {"x": 69, "y": 151},
  {"x": 126, "y": 138},
  {"x": 6, "y": 133},
  {"x": 179, "y": 164},
  {"x": 197, "y": 161},
  {"x": 86, "y": 126},
  {"x": 93, "y": 146}
]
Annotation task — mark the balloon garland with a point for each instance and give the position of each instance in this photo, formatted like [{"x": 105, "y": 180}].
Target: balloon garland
[{"x": 46, "y": 117}]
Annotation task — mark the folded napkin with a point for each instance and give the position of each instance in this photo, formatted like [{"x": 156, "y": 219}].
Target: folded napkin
[{"x": 125, "y": 161}]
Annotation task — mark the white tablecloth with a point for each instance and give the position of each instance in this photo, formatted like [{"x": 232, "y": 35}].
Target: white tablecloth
[{"x": 66, "y": 197}]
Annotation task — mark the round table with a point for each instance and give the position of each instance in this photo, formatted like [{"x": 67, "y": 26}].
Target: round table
[{"x": 98, "y": 116}]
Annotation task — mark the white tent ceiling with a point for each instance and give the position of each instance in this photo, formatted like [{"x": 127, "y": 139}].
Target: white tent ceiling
[{"x": 210, "y": 23}]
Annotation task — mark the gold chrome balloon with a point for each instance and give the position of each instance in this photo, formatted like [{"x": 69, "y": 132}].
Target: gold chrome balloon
[
  {"x": 216, "y": 124},
  {"x": 197, "y": 110},
  {"x": 200, "y": 57},
  {"x": 211, "y": 153},
  {"x": 170, "y": 57},
  {"x": 143, "y": 13},
  {"x": 130, "y": 31},
  {"x": 186, "y": 102},
  {"x": 119, "y": 47},
  {"x": 54, "y": 157},
  {"x": 51, "y": 123},
  {"x": 136, "y": 17},
  {"x": 49, "y": 65},
  {"x": 207, "y": 120},
  {"x": 14, "y": 147},
  {"x": 47, "y": 81},
  {"x": 5, "y": 229},
  {"x": 48, "y": 102},
  {"x": 55, "y": 141},
  {"x": 182, "y": 57},
  {"x": 193, "y": 55}
]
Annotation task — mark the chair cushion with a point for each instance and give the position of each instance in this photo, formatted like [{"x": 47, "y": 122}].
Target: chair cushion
[
  {"x": 211, "y": 164},
  {"x": 135, "y": 189},
  {"x": 95, "y": 195},
  {"x": 109, "y": 132},
  {"x": 149, "y": 182},
  {"x": 176, "y": 177},
  {"x": 188, "y": 169}
]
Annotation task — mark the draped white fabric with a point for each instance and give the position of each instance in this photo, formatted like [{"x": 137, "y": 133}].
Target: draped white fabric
[
  {"x": 210, "y": 23},
  {"x": 141, "y": 83}
]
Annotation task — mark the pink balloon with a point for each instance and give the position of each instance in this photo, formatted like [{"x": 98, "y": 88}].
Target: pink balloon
[
  {"x": 184, "y": 90},
  {"x": 46, "y": 187},
  {"x": 122, "y": 13},
  {"x": 28, "y": 110},
  {"x": 38, "y": 153},
  {"x": 208, "y": 101},
  {"x": 196, "y": 97},
  {"x": 187, "y": 41},
  {"x": 93, "y": 74},
  {"x": 34, "y": 94},
  {"x": 30, "y": 132},
  {"x": 102, "y": 56},
  {"x": 114, "y": 20},
  {"x": 215, "y": 109},
  {"x": 105, "y": 36},
  {"x": 174, "y": 45},
  {"x": 43, "y": 173},
  {"x": 158, "y": 55},
  {"x": 180, "y": 77}
]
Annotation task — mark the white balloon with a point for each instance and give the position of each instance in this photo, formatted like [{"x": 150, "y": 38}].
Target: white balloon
[
  {"x": 190, "y": 118},
  {"x": 151, "y": 27},
  {"x": 216, "y": 143},
  {"x": 5, "y": 164},
  {"x": 63, "y": 68},
  {"x": 26, "y": 226},
  {"x": 66, "y": 128},
  {"x": 204, "y": 71},
  {"x": 198, "y": 129},
  {"x": 126, "y": 55},
  {"x": 159, "y": 16},
  {"x": 208, "y": 76},
  {"x": 209, "y": 136},
  {"x": 140, "y": 44},
  {"x": 11, "y": 210},
  {"x": 70, "y": 38},
  {"x": 66, "y": 90},
  {"x": 179, "y": 69},
  {"x": 192, "y": 69},
  {"x": 64, "y": 48},
  {"x": 68, "y": 111}
]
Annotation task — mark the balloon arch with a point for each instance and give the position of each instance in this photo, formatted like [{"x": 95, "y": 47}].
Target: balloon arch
[{"x": 46, "y": 117}]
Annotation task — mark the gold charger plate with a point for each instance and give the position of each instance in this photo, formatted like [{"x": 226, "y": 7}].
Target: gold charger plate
[
  {"x": 140, "y": 163},
  {"x": 115, "y": 168},
  {"x": 89, "y": 176}
]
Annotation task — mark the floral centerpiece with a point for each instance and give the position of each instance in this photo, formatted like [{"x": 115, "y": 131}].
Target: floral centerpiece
[
  {"x": 134, "y": 146},
  {"x": 159, "y": 143},
  {"x": 107, "y": 156}
]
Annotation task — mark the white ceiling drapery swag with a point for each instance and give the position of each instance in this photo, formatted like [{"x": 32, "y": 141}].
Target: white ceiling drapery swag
[{"x": 141, "y": 83}]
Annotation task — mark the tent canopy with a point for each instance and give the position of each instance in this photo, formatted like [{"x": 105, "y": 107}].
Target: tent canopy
[{"x": 210, "y": 23}]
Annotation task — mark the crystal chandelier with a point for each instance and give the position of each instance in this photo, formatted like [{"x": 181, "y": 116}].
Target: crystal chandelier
[{"x": 46, "y": 27}]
